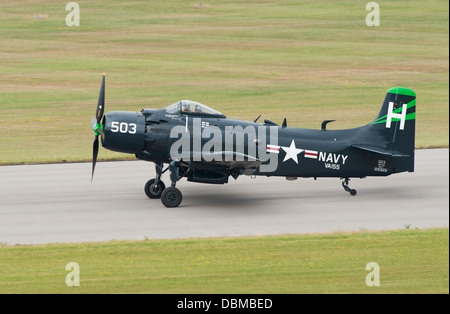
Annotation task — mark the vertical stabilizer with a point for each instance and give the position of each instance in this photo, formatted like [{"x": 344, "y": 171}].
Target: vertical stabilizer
[{"x": 393, "y": 131}]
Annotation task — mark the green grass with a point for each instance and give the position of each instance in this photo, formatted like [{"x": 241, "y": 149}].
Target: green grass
[
  {"x": 411, "y": 261},
  {"x": 307, "y": 61}
]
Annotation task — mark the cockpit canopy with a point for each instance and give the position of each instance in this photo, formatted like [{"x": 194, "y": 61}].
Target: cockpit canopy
[{"x": 192, "y": 108}]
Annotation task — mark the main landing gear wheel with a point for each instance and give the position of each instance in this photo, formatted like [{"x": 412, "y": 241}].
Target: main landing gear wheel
[
  {"x": 153, "y": 191},
  {"x": 155, "y": 188},
  {"x": 171, "y": 197}
]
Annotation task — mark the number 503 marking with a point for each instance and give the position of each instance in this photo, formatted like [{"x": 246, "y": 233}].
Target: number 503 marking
[{"x": 123, "y": 127}]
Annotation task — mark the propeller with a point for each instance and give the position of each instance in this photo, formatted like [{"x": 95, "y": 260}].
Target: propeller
[{"x": 97, "y": 127}]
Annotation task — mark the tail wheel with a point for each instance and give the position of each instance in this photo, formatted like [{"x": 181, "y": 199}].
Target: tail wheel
[
  {"x": 346, "y": 187},
  {"x": 171, "y": 197}
]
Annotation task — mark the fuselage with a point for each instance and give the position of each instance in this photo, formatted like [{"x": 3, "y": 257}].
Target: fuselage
[{"x": 155, "y": 135}]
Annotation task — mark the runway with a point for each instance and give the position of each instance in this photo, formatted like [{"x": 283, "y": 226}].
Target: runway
[{"x": 57, "y": 203}]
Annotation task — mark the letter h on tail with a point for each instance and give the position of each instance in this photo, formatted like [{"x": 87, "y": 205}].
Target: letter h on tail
[{"x": 391, "y": 115}]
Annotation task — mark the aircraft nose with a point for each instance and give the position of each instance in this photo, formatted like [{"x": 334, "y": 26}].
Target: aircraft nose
[{"x": 124, "y": 131}]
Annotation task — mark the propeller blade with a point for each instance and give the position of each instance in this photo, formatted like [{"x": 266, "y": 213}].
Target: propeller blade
[
  {"x": 94, "y": 156},
  {"x": 96, "y": 126},
  {"x": 101, "y": 101}
]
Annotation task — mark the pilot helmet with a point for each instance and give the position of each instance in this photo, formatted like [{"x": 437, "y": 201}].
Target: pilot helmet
[{"x": 186, "y": 106}]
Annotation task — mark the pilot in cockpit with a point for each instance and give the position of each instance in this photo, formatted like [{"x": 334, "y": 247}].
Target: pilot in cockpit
[
  {"x": 186, "y": 108},
  {"x": 198, "y": 109}
]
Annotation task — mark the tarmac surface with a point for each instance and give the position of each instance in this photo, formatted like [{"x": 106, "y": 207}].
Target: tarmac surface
[{"x": 57, "y": 203}]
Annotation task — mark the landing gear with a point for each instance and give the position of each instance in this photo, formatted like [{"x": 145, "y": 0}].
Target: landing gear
[
  {"x": 171, "y": 197},
  {"x": 346, "y": 187},
  {"x": 155, "y": 188}
]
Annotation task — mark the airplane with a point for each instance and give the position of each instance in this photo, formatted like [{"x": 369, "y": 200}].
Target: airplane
[{"x": 202, "y": 145}]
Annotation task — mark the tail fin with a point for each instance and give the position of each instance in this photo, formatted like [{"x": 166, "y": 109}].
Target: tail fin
[{"x": 392, "y": 133}]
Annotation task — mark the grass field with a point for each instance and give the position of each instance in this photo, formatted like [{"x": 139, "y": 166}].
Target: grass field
[
  {"x": 410, "y": 261},
  {"x": 304, "y": 60}
]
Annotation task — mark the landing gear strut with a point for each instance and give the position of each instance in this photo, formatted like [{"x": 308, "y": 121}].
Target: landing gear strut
[
  {"x": 155, "y": 188},
  {"x": 172, "y": 197},
  {"x": 346, "y": 187}
]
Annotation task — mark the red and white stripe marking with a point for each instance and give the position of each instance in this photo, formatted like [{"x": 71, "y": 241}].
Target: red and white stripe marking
[
  {"x": 311, "y": 154},
  {"x": 273, "y": 149}
]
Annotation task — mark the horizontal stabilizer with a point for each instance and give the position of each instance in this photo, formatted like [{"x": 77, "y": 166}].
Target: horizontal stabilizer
[{"x": 378, "y": 150}]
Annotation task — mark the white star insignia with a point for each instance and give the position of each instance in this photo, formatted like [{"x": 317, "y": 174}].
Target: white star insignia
[{"x": 292, "y": 152}]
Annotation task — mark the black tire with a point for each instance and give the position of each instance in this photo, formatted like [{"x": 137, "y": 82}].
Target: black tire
[
  {"x": 150, "y": 189},
  {"x": 352, "y": 192},
  {"x": 171, "y": 197}
]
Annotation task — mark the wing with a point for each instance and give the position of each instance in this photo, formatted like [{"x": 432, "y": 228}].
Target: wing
[{"x": 217, "y": 167}]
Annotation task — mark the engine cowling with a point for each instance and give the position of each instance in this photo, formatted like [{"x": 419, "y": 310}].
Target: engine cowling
[{"x": 124, "y": 131}]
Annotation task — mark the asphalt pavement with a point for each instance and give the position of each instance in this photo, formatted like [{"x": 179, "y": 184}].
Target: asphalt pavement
[{"x": 57, "y": 203}]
